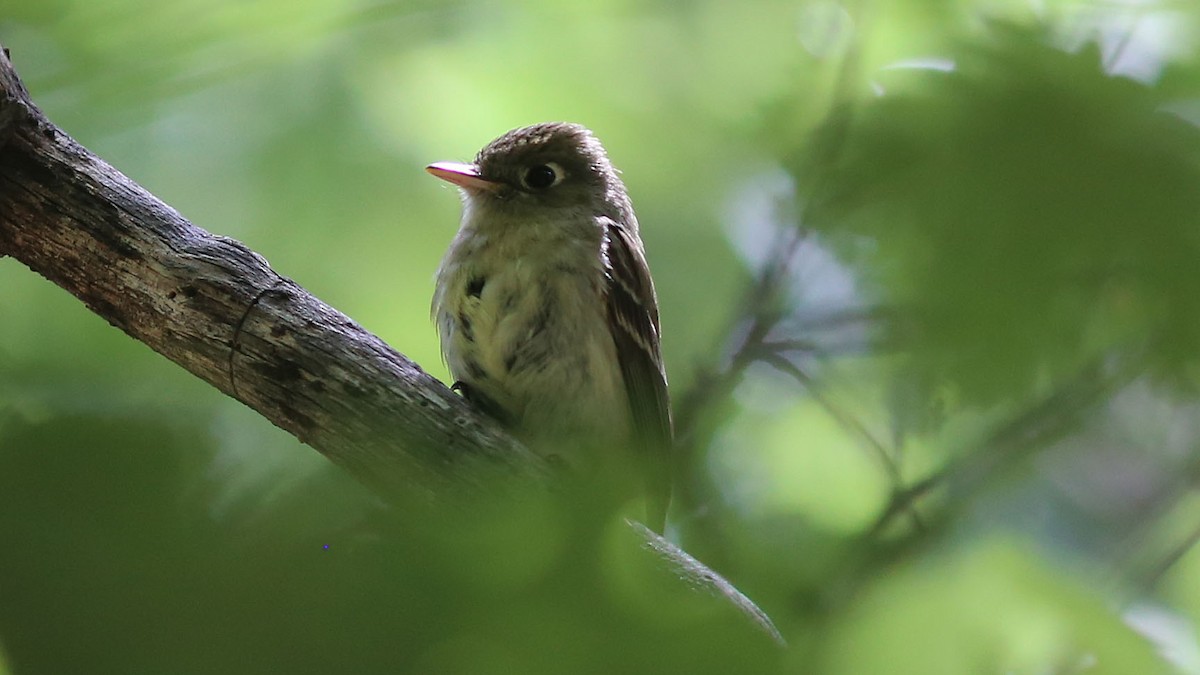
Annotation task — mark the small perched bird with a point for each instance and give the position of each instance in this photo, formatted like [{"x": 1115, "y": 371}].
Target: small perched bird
[{"x": 545, "y": 306}]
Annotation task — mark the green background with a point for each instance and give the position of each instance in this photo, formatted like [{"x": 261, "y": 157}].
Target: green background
[{"x": 968, "y": 442}]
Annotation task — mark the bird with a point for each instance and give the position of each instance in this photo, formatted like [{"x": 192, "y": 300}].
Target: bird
[{"x": 546, "y": 309}]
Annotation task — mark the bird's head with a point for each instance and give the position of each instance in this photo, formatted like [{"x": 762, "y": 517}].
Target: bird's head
[{"x": 538, "y": 170}]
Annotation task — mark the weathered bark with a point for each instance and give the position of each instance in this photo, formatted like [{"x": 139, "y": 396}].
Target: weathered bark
[{"x": 216, "y": 308}]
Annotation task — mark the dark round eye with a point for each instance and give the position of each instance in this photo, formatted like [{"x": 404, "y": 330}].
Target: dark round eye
[{"x": 542, "y": 176}]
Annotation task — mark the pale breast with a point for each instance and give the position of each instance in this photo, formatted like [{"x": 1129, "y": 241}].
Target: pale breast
[{"x": 535, "y": 341}]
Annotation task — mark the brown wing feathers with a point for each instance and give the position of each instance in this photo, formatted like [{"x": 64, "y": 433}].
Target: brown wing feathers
[{"x": 633, "y": 315}]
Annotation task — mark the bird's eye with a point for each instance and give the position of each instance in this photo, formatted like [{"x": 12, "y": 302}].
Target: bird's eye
[{"x": 542, "y": 176}]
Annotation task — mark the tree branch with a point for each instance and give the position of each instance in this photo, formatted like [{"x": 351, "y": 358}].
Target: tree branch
[{"x": 218, "y": 309}]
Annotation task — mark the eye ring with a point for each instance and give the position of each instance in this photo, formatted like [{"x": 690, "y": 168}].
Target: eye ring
[{"x": 542, "y": 176}]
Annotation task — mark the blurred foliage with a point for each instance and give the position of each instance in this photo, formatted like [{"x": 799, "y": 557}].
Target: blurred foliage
[{"x": 931, "y": 299}]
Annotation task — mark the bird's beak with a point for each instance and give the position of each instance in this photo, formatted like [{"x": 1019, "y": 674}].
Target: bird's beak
[{"x": 465, "y": 176}]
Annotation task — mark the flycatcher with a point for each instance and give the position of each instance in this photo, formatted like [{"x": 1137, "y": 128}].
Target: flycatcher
[{"x": 545, "y": 306}]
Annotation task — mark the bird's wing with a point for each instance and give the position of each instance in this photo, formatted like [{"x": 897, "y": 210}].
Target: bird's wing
[{"x": 633, "y": 317}]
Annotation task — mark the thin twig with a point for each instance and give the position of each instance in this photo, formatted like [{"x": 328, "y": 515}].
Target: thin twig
[
  {"x": 843, "y": 418},
  {"x": 1036, "y": 427}
]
